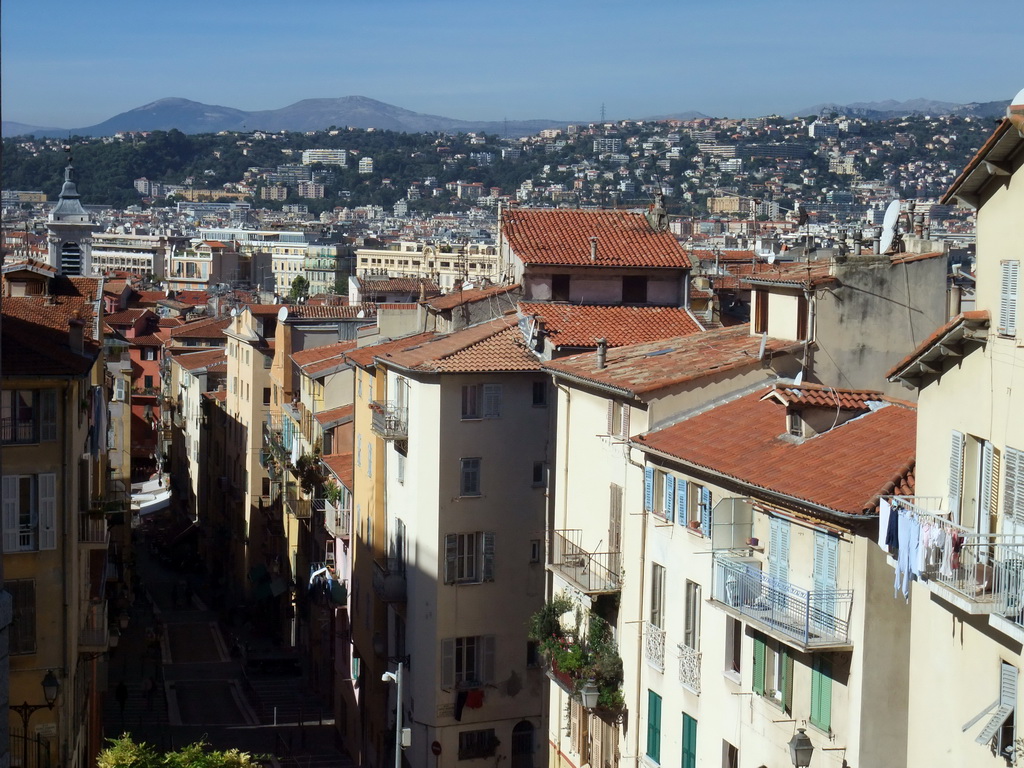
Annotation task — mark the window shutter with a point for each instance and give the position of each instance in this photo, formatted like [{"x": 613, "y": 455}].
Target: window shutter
[
  {"x": 1009, "y": 284},
  {"x": 758, "y": 678},
  {"x": 492, "y": 400},
  {"x": 488, "y": 549},
  {"x": 984, "y": 509},
  {"x": 611, "y": 417},
  {"x": 689, "y": 742},
  {"x": 119, "y": 389},
  {"x": 993, "y": 489},
  {"x": 448, "y": 663},
  {"x": 821, "y": 694},
  {"x": 654, "y": 726},
  {"x": 48, "y": 511},
  {"x": 681, "y": 511},
  {"x": 48, "y": 415},
  {"x": 778, "y": 549},
  {"x": 487, "y": 659},
  {"x": 956, "y": 473},
  {"x": 786, "y": 660},
  {"x": 670, "y": 496},
  {"x": 648, "y": 489},
  {"x": 624, "y": 420},
  {"x": 450, "y": 553},
  {"x": 10, "y": 512},
  {"x": 705, "y": 510},
  {"x": 1013, "y": 485}
]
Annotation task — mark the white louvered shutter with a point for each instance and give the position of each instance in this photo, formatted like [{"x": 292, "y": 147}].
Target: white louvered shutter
[
  {"x": 450, "y": 553},
  {"x": 1009, "y": 285},
  {"x": 48, "y": 511},
  {"x": 492, "y": 401},
  {"x": 611, "y": 417},
  {"x": 10, "y": 512},
  {"x": 778, "y": 554},
  {"x": 956, "y": 474},
  {"x": 488, "y": 551},
  {"x": 1013, "y": 485},
  {"x": 624, "y": 421},
  {"x": 448, "y": 663},
  {"x": 487, "y": 659},
  {"x": 984, "y": 520}
]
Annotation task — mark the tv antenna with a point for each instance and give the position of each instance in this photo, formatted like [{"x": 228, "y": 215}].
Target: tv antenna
[
  {"x": 889, "y": 233},
  {"x": 602, "y": 111}
]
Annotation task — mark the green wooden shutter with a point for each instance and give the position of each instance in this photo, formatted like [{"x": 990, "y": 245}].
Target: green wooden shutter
[
  {"x": 821, "y": 694},
  {"x": 689, "y": 742},
  {"x": 654, "y": 726},
  {"x": 759, "y": 659},
  {"x": 786, "y": 660}
]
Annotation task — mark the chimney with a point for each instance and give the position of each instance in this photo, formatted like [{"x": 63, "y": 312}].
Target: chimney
[
  {"x": 593, "y": 249},
  {"x": 602, "y": 352},
  {"x": 76, "y": 333}
]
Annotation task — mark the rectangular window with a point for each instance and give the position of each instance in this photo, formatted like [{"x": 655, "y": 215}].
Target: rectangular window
[
  {"x": 29, "y": 512},
  {"x": 477, "y": 744},
  {"x": 657, "y": 595},
  {"x": 469, "y": 558},
  {"x": 654, "y": 726},
  {"x": 481, "y": 401},
  {"x": 634, "y": 289},
  {"x": 535, "y": 550},
  {"x": 760, "y": 311},
  {"x": 147, "y": 382},
  {"x": 23, "y": 625},
  {"x": 733, "y": 645},
  {"x": 540, "y": 393},
  {"x": 821, "y": 693},
  {"x": 467, "y": 662},
  {"x": 469, "y": 479},
  {"x": 618, "y": 419},
  {"x": 266, "y": 395},
  {"x": 560, "y": 288},
  {"x": 773, "y": 672},
  {"x": 28, "y": 416},
  {"x": 689, "y": 742},
  {"x": 400, "y": 461},
  {"x": 691, "y": 617},
  {"x": 148, "y": 353},
  {"x": 1009, "y": 297},
  {"x": 538, "y": 473}
]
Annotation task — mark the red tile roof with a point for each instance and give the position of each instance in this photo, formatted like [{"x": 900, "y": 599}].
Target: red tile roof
[
  {"x": 328, "y": 312},
  {"x": 795, "y": 273},
  {"x": 148, "y": 297},
  {"x": 965, "y": 320},
  {"x": 410, "y": 285},
  {"x": 458, "y": 298},
  {"x": 642, "y": 368},
  {"x": 204, "y": 328},
  {"x": 127, "y": 316},
  {"x": 819, "y": 395},
  {"x": 319, "y": 359},
  {"x": 843, "y": 470},
  {"x": 336, "y": 415},
  {"x": 562, "y": 238},
  {"x": 581, "y": 325},
  {"x": 219, "y": 394},
  {"x": 705, "y": 254},
  {"x": 906, "y": 258},
  {"x": 36, "y": 332},
  {"x": 340, "y": 465},
  {"x": 193, "y": 361},
  {"x": 147, "y": 340},
  {"x": 365, "y": 355},
  {"x": 494, "y": 346}
]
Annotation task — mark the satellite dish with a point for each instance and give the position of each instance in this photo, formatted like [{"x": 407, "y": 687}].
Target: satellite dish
[
  {"x": 234, "y": 312},
  {"x": 467, "y": 286},
  {"x": 282, "y": 314},
  {"x": 360, "y": 314},
  {"x": 892, "y": 216}
]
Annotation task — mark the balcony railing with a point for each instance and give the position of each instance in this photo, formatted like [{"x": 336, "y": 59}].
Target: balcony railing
[
  {"x": 338, "y": 520},
  {"x": 93, "y": 531},
  {"x": 689, "y": 667},
  {"x": 278, "y": 434},
  {"x": 812, "y": 618},
  {"x": 94, "y": 633},
  {"x": 295, "y": 504},
  {"x": 591, "y": 572},
  {"x": 389, "y": 581},
  {"x": 390, "y": 420},
  {"x": 988, "y": 574},
  {"x": 654, "y": 645}
]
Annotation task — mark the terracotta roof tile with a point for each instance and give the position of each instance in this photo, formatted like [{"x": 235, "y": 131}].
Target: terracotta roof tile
[
  {"x": 127, "y": 316},
  {"x": 335, "y": 415},
  {"x": 340, "y": 465},
  {"x": 844, "y": 469},
  {"x": 906, "y": 258},
  {"x": 365, "y": 356},
  {"x": 204, "y": 328},
  {"x": 218, "y": 394},
  {"x": 148, "y": 297},
  {"x": 978, "y": 317},
  {"x": 581, "y": 325},
  {"x": 147, "y": 340},
  {"x": 706, "y": 254},
  {"x": 36, "y": 335},
  {"x": 815, "y": 395},
  {"x": 409, "y": 285},
  {"x": 320, "y": 359},
  {"x": 327, "y": 312},
  {"x": 795, "y": 273},
  {"x": 562, "y": 238},
  {"x": 193, "y": 361},
  {"x": 642, "y": 368},
  {"x": 458, "y": 298}
]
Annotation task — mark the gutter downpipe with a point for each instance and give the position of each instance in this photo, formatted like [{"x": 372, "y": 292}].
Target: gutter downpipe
[
  {"x": 640, "y": 625},
  {"x": 812, "y": 300}
]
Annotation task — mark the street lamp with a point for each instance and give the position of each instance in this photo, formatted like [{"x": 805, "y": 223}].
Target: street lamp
[
  {"x": 51, "y": 687},
  {"x": 402, "y": 735},
  {"x": 589, "y": 694},
  {"x": 801, "y": 749}
]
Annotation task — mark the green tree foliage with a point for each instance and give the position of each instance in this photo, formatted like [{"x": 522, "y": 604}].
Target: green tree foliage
[
  {"x": 300, "y": 288},
  {"x": 123, "y": 752}
]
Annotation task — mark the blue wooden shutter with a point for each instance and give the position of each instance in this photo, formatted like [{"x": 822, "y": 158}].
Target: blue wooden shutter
[
  {"x": 705, "y": 510},
  {"x": 670, "y": 496},
  {"x": 649, "y": 489},
  {"x": 681, "y": 510},
  {"x": 689, "y": 742}
]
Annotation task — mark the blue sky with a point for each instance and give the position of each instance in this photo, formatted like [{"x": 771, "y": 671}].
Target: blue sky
[{"x": 72, "y": 64}]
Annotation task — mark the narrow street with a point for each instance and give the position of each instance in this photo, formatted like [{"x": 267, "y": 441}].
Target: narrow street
[{"x": 182, "y": 683}]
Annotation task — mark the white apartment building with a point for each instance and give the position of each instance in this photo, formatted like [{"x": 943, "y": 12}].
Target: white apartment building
[
  {"x": 138, "y": 254},
  {"x": 325, "y": 156},
  {"x": 365, "y": 166},
  {"x": 444, "y": 263}
]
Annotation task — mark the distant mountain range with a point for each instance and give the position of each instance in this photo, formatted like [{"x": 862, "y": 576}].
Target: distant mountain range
[
  {"x": 306, "y": 115},
  {"x": 362, "y": 112}
]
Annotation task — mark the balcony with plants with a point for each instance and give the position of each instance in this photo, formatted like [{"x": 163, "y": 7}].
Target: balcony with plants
[{"x": 585, "y": 664}]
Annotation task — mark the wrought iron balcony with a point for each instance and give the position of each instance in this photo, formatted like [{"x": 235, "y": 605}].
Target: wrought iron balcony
[
  {"x": 295, "y": 504},
  {"x": 808, "y": 619},
  {"x": 654, "y": 645},
  {"x": 591, "y": 572},
  {"x": 390, "y": 420},
  {"x": 94, "y": 634},
  {"x": 988, "y": 575},
  {"x": 338, "y": 520},
  {"x": 389, "y": 581},
  {"x": 689, "y": 668},
  {"x": 92, "y": 531}
]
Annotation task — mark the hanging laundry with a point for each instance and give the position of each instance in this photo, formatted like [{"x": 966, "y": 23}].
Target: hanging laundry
[{"x": 884, "y": 511}]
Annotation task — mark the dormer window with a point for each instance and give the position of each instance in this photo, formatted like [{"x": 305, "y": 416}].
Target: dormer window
[{"x": 794, "y": 424}]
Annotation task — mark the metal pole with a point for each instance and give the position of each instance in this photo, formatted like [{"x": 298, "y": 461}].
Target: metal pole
[{"x": 398, "y": 717}]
